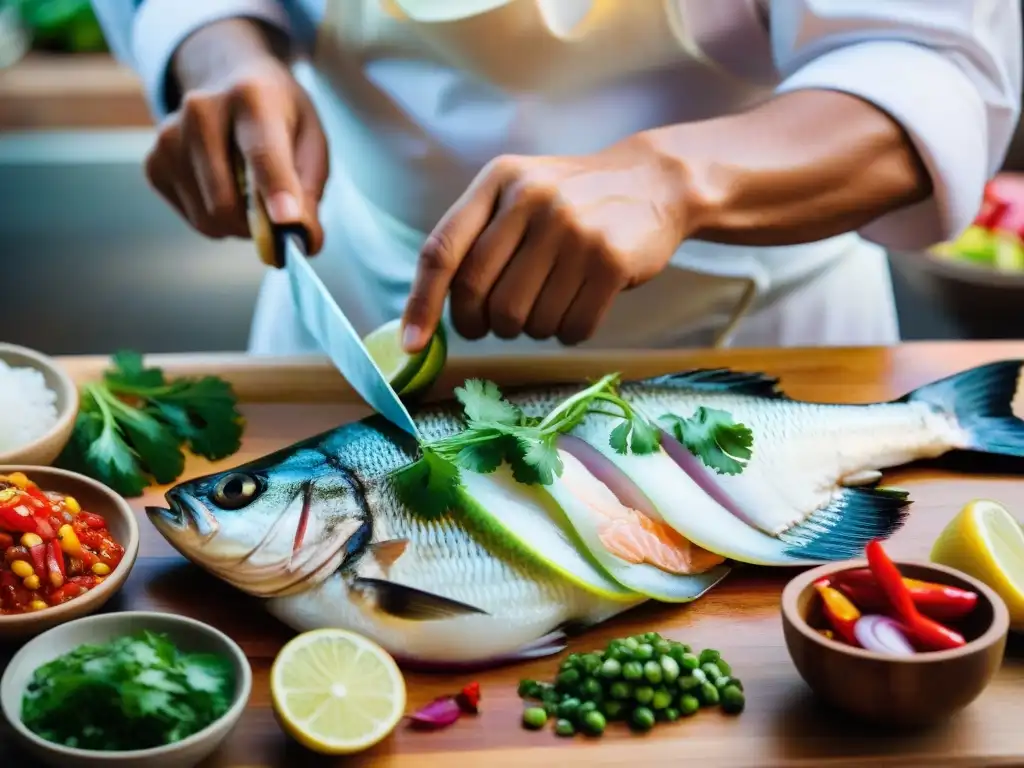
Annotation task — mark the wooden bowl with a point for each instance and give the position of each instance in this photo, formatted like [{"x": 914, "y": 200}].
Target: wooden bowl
[
  {"x": 896, "y": 691},
  {"x": 188, "y": 634},
  {"x": 47, "y": 447},
  {"x": 121, "y": 520}
]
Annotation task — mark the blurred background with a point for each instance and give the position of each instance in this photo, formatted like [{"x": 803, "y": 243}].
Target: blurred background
[{"x": 93, "y": 260}]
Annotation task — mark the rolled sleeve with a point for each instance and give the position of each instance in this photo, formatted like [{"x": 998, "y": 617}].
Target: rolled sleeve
[
  {"x": 951, "y": 78},
  {"x": 160, "y": 26}
]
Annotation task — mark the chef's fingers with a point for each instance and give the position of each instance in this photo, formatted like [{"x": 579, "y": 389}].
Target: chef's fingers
[
  {"x": 442, "y": 255},
  {"x": 312, "y": 164},
  {"x": 170, "y": 173},
  {"x": 514, "y": 295},
  {"x": 482, "y": 267},
  {"x": 206, "y": 135},
  {"x": 588, "y": 309},
  {"x": 558, "y": 293}
]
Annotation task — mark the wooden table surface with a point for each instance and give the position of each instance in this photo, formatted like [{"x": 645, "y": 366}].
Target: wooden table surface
[{"x": 289, "y": 399}]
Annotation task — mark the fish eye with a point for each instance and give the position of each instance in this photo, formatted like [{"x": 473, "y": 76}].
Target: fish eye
[{"x": 235, "y": 490}]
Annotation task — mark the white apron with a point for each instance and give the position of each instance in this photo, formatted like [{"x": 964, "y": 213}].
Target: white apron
[{"x": 417, "y": 95}]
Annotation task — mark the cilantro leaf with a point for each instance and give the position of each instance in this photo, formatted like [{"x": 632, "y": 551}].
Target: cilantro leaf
[
  {"x": 128, "y": 370},
  {"x": 203, "y": 413},
  {"x": 619, "y": 437},
  {"x": 644, "y": 437},
  {"x": 483, "y": 402},
  {"x": 430, "y": 485},
  {"x": 710, "y": 434},
  {"x": 482, "y": 458}
]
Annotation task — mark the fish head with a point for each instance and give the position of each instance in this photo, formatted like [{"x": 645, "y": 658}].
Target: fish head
[{"x": 272, "y": 527}]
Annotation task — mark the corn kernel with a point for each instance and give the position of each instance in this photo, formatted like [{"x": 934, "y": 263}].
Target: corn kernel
[
  {"x": 37, "y": 605},
  {"x": 72, "y": 505},
  {"x": 30, "y": 540},
  {"x": 22, "y": 569},
  {"x": 31, "y": 582},
  {"x": 7, "y": 495},
  {"x": 19, "y": 479},
  {"x": 100, "y": 569},
  {"x": 99, "y": 579}
]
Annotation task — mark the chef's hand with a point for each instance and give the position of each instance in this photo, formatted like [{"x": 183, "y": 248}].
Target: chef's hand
[
  {"x": 237, "y": 90},
  {"x": 543, "y": 245}
]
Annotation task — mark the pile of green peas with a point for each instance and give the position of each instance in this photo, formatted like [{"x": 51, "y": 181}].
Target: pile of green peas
[{"x": 641, "y": 679}]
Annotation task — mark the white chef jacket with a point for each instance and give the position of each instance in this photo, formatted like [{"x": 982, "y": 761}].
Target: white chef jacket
[{"x": 416, "y": 96}]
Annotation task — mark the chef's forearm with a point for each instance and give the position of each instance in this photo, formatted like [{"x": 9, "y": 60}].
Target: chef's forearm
[{"x": 801, "y": 167}]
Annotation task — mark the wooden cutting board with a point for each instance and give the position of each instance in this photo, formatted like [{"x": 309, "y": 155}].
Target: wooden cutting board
[{"x": 289, "y": 399}]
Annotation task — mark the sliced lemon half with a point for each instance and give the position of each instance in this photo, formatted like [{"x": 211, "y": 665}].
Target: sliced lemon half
[
  {"x": 986, "y": 542},
  {"x": 336, "y": 692}
]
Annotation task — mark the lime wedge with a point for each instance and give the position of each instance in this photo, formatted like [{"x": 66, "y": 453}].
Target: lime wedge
[
  {"x": 335, "y": 692},
  {"x": 433, "y": 364},
  {"x": 385, "y": 347}
]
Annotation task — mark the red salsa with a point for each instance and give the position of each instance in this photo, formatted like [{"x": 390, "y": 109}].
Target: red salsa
[{"x": 51, "y": 550}]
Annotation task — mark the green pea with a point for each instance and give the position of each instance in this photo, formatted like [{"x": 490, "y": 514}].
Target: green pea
[
  {"x": 722, "y": 682},
  {"x": 651, "y": 637},
  {"x": 662, "y": 648},
  {"x": 689, "y": 662},
  {"x": 644, "y": 652},
  {"x": 587, "y": 706},
  {"x": 699, "y": 674},
  {"x": 594, "y": 723},
  {"x": 564, "y": 728},
  {"x": 733, "y": 700},
  {"x": 568, "y": 679},
  {"x": 711, "y": 670},
  {"x": 551, "y": 708},
  {"x": 671, "y": 714},
  {"x": 709, "y": 695},
  {"x": 611, "y": 669},
  {"x": 631, "y": 643},
  {"x": 688, "y": 705},
  {"x": 669, "y": 669},
  {"x": 591, "y": 662},
  {"x": 723, "y": 665},
  {"x": 591, "y": 690},
  {"x": 633, "y": 670},
  {"x": 709, "y": 656},
  {"x": 620, "y": 690},
  {"x": 567, "y": 709},
  {"x": 737, "y": 682},
  {"x": 529, "y": 689},
  {"x": 652, "y": 671},
  {"x": 642, "y": 719},
  {"x": 534, "y": 718},
  {"x": 644, "y": 694},
  {"x": 687, "y": 683},
  {"x": 613, "y": 709},
  {"x": 662, "y": 698}
]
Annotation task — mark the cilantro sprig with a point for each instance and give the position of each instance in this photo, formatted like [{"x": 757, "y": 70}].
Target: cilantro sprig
[
  {"x": 134, "y": 692},
  {"x": 133, "y": 425},
  {"x": 497, "y": 431}
]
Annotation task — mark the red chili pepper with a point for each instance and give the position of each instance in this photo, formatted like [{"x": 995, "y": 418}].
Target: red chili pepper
[
  {"x": 38, "y": 556},
  {"x": 6, "y": 540},
  {"x": 65, "y": 593},
  {"x": 468, "y": 698},
  {"x": 937, "y": 601},
  {"x": 928, "y": 633},
  {"x": 840, "y": 612},
  {"x": 12, "y": 519},
  {"x": 55, "y": 564},
  {"x": 91, "y": 520}
]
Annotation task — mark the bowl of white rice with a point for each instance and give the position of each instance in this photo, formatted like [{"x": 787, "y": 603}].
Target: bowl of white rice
[{"x": 38, "y": 406}]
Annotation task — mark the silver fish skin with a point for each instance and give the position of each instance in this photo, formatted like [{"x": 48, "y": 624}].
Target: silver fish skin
[{"x": 319, "y": 531}]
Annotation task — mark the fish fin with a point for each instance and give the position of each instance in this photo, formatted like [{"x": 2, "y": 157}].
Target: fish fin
[
  {"x": 411, "y": 603},
  {"x": 842, "y": 529},
  {"x": 982, "y": 401},
  {"x": 387, "y": 552},
  {"x": 861, "y": 478},
  {"x": 722, "y": 380}
]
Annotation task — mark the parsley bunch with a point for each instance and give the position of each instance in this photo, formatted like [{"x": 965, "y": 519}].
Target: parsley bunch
[
  {"x": 498, "y": 432},
  {"x": 133, "y": 424},
  {"x": 134, "y": 692}
]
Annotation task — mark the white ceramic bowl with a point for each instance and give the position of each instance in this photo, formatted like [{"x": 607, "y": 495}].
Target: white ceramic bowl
[
  {"x": 47, "y": 447},
  {"x": 188, "y": 634}
]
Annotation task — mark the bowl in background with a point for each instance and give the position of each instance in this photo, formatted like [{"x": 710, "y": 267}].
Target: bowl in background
[
  {"x": 188, "y": 634},
  {"x": 896, "y": 691},
  {"x": 123, "y": 525},
  {"x": 46, "y": 448}
]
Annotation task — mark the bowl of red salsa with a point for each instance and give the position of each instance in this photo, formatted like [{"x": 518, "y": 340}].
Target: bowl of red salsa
[{"x": 67, "y": 544}]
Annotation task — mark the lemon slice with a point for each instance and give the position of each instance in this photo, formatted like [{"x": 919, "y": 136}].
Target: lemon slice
[
  {"x": 986, "y": 542},
  {"x": 335, "y": 692}
]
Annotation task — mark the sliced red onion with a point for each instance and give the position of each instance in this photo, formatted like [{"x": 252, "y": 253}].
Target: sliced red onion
[
  {"x": 882, "y": 634},
  {"x": 605, "y": 470},
  {"x": 440, "y": 713},
  {"x": 703, "y": 477}
]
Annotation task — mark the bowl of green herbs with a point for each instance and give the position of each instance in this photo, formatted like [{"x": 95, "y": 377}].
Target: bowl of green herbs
[{"x": 126, "y": 690}]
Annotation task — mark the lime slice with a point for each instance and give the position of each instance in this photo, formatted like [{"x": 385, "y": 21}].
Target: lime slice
[
  {"x": 433, "y": 364},
  {"x": 385, "y": 347},
  {"x": 986, "y": 542},
  {"x": 335, "y": 692}
]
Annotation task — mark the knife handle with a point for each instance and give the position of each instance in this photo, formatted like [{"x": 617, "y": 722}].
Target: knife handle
[{"x": 268, "y": 237}]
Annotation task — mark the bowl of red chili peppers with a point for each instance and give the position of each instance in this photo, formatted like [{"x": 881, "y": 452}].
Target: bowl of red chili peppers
[
  {"x": 897, "y": 644},
  {"x": 67, "y": 544}
]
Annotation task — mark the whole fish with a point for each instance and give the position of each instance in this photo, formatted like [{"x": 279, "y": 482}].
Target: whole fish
[{"x": 320, "y": 530}]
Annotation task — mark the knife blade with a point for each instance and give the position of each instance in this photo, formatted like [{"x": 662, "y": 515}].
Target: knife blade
[{"x": 287, "y": 246}]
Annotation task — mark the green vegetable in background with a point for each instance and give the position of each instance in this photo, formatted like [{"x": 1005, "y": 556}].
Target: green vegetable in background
[
  {"x": 133, "y": 424},
  {"x": 134, "y": 692},
  {"x": 62, "y": 25}
]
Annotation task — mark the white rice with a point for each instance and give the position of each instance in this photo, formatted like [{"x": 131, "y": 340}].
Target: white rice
[{"x": 28, "y": 408}]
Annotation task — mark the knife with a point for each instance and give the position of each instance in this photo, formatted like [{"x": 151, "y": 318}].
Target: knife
[{"x": 287, "y": 246}]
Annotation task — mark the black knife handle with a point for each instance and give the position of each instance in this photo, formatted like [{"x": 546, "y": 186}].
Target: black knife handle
[{"x": 269, "y": 238}]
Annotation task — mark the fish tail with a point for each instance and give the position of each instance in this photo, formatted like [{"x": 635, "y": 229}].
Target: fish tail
[{"x": 981, "y": 399}]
